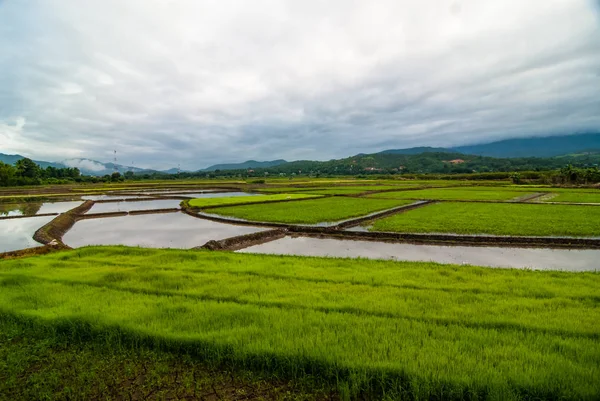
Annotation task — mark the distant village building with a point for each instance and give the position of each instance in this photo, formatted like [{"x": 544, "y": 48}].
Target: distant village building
[
  {"x": 456, "y": 161},
  {"x": 372, "y": 169}
]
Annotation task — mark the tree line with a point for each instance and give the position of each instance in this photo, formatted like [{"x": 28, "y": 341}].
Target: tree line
[{"x": 27, "y": 172}]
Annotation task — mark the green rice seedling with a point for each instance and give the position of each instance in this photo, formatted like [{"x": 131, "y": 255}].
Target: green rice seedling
[
  {"x": 496, "y": 219},
  {"x": 310, "y": 211},
  {"x": 468, "y": 193},
  {"x": 373, "y": 329},
  {"x": 236, "y": 200}
]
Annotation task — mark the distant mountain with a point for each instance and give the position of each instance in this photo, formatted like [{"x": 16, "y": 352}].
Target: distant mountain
[
  {"x": 535, "y": 147},
  {"x": 86, "y": 166},
  {"x": 12, "y": 159},
  {"x": 413, "y": 151},
  {"x": 250, "y": 164},
  {"x": 549, "y": 146}
]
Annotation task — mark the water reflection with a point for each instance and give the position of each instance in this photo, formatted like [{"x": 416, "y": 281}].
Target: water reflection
[
  {"x": 34, "y": 208},
  {"x": 129, "y": 206},
  {"x": 16, "y": 234},
  {"x": 165, "y": 230},
  {"x": 531, "y": 258}
]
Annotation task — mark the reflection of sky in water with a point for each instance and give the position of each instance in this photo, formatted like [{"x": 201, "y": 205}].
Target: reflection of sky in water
[
  {"x": 110, "y": 197},
  {"x": 17, "y": 234},
  {"x": 533, "y": 258},
  {"x": 163, "y": 230},
  {"x": 33, "y": 208},
  {"x": 129, "y": 206}
]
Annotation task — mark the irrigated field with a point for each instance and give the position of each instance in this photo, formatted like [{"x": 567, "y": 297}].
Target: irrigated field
[
  {"x": 205, "y": 202},
  {"x": 576, "y": 197},
  {"x": 310, "y": 211},
  {"x": 371, "y": 329},
  {"x": 496, "y": 219},
  {"x": 475, "y": 193}
]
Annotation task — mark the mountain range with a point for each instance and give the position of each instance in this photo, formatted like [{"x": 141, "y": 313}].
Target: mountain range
[{"x": 509, "y": 148}]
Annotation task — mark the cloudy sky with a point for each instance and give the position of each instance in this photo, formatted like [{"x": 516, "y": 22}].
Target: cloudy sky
[{"x": 198, "y": 82}]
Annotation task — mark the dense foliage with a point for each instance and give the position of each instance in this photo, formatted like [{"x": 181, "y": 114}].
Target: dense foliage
[{"x": 27, "y": 172}]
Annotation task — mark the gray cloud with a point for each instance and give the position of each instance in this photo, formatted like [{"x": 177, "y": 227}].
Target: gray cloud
[{"x": 200, "y": 82}]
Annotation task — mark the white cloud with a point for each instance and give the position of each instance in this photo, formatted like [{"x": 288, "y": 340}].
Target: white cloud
[
  {"x": 84, "y": 164},
  {"x": 201, "y": 81}
]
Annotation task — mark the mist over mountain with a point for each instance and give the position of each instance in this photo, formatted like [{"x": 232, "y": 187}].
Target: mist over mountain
[{"x": 536, "y": 147}]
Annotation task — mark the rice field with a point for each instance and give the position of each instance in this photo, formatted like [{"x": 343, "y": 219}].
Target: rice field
[
  {"x": 468, "y": 193},
  {"x": 206, "y": 202},
  {"x": 310, "y": 211},
  {"x": 496, "y": 219},
  {"x": 367, "y": 329},
  {"x": 576, "y": 197}
]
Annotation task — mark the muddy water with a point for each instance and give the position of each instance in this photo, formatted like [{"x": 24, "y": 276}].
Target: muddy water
[
  {"x": 537, "y": 259},
  {"x": 129, "y": 206},
  {"x": 34, "y": 208},
  {"x": 16, "y": 234},
  {"x": 165, "y": 230}
]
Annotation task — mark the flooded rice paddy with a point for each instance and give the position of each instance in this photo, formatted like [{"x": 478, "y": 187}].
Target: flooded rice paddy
[
  {"x": 165, "y": 230},
  {"x": 16, "y": 234},
  {"x": 111, "y": 197},
  {"x": 135, "y": 205},
  {"x": 530, "y": 258},
  {"x": 35, "y": 208}
]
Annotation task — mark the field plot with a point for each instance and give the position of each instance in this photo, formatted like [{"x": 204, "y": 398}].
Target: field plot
[
  {"x": 310, "y": 211},
  {"x": 468, "y": 193},
  {"x": 370, "y": 328},
  {"x": 220, "y": 201},
  {"x": 134, "y": 205},
  {"x": 576, "y": 197},
  {"x": 496, "y": 219},
  {"x": 162, "y": 230},
  {"x": 17, "y": 234}
]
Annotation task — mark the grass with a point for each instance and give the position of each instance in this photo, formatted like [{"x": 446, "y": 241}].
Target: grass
[
  {"x": 236, "y": 200},
  {"x": 576, "y": 197},
  {"x": 369, "y": 329},
  {"x": 496, "y": 219},
  {"x": 469, "y": 193},
  {"x": 38, "y": 367},
  {"x": 310, "y": 211}
]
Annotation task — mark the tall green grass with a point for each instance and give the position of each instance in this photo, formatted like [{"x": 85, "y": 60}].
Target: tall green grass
[
  {"x": 496, "y": 219},
  {"x": 369, "y": 328}
]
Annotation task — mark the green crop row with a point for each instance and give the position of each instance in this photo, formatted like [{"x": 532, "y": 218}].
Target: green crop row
[
  {"x": 310, "y": 211},
  {"x": 496, "y": 219},
  {"x": 373, "y": 329},
  {"x": 236, "y": 200}
]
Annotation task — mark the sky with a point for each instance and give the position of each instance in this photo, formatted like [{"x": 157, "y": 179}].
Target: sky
[{"x": 198, "y": 82}]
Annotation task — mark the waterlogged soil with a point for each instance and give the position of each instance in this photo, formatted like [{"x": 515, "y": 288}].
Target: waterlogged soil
[
  {"x": 16, "y": 234},
  {"x": 164, "y": 230},
  {"x": 129, "y": 206},
  {"x": 35, "y": 208},
  {"x": 520, "y": 258}
]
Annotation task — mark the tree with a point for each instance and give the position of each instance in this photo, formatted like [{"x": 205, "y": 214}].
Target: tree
[
  {"x": 116, "y": 176},
  {"x": 27, "y": 168},
  {"x": 7, "y": 174},
  {"x": 129, "y": 175}
]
